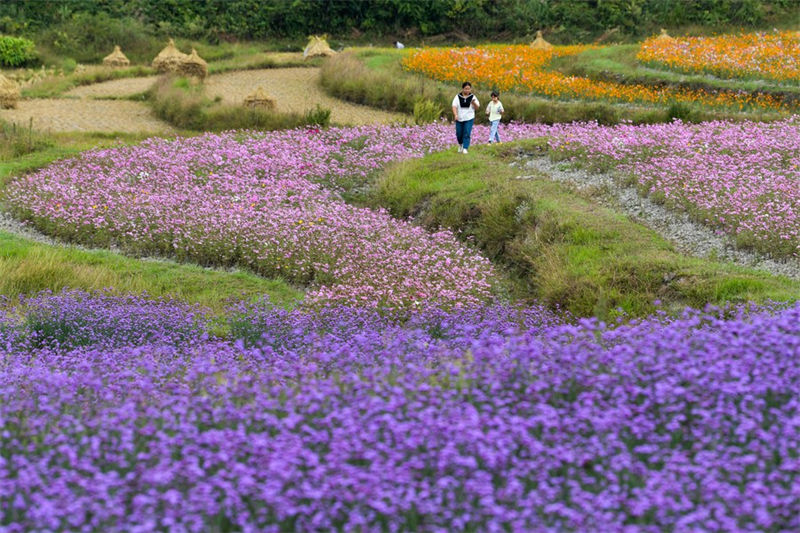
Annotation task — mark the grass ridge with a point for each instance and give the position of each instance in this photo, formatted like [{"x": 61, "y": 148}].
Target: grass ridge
[{"x": 559, "y": 247}]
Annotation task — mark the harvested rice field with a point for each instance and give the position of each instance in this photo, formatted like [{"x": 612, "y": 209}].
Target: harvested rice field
[
  {"x": 69, "y": 114},
  {"x": 84, "y": 108}
]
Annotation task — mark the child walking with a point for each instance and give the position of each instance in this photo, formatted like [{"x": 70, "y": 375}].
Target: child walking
[{"x": 495, "y": 111}]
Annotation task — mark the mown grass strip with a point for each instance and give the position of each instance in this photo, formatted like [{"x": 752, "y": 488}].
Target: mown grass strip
[
  {"x": 24, "y": 150},
  {"x": 561, "y": 248},
  {"x": 53, "y": 86},
  {"x": 27, "y": 267},
  {"x": 618, "y": 63},
  {"x": 262, "y": 61}
]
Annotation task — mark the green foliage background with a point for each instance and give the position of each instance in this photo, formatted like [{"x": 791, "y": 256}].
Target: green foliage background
[{"x": 263, "y": 19}]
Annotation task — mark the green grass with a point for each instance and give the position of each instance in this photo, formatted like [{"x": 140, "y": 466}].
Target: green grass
[
  {"x": 559, "y": 247},
  {"x": 346, "y": 76},
  {"x": 382, "y": 59},
  {"x": 27, "y": 267},
  {"x": 24, "y": 150}
]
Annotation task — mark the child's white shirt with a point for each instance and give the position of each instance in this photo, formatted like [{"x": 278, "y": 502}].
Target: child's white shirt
[{"x": 493, "y": 110}]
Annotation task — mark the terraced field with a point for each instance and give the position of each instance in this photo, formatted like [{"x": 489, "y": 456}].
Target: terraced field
[{"x": 101, "y": 107}]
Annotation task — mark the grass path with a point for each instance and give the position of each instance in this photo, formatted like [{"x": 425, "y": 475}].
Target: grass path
[{"x": 27, "y": 267}]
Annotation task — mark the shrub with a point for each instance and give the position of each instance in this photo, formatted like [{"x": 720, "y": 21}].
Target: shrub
[
  {"x": 426, "y": 111},
  {"x": 460, "y": 19},
  {"x": 69, "y": 65},
  {"x": 682, "y": 112},
  {"x": 319, "y": 116},
  {"x": 231, "y": 117},
  {"x": 16, "y": 141},
  {"x": 16, "y": 51}
]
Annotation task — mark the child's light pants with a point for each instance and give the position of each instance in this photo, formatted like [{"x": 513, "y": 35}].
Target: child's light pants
[{"x": 493, "y": 135}]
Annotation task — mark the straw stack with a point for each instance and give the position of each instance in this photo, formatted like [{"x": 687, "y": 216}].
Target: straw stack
[
  {"x": 193, "y": 65},
  {"x": 539, "y": 43},
  {"x": 9, "y": 93},
  {"x": 317, "y": 47},
  {"x": 116, "y": 59},
  {"x": 259, "y": 99},
  {"x": 169, "y": 58},
  {"x": 663, "y": 36}
]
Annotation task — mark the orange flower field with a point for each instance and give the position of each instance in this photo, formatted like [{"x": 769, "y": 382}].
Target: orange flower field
[
  {"x": 502, "y": 67},
  {"x": 521, "y": 68},
  {"x": 774, "y": 56}
]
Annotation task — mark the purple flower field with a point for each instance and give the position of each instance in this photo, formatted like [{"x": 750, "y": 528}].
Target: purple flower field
[
  {"x": 269, "y": 202},
  {"x": 455, "y": 414},
  {"x": 739, "y": 177},
  {"x": 489, "y": 419}
]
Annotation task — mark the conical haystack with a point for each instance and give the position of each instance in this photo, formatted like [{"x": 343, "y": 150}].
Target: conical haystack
[
  {"x": 663, "y": 36},
  {"x": 116, "y": 59},
  {"x": 168, "y": 59},
  {"x": 259, "y": 99},
  {"x": 9, "y": 93},
  {"x": 317, "y": 47},
  {"x": 539, "y": 43},
  {"x": 193, "y": 65}
]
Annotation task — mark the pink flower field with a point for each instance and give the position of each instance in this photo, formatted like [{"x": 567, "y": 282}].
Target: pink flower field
[
  {"x": 268, "y": 202},
  {"x": 742, "y": 178},
  {"x": 271, "y": 202}
]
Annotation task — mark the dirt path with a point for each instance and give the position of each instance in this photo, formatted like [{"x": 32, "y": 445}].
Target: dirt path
[
  {"x": 119, "y": 88},
  {"x": 297, "y": 90}
]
